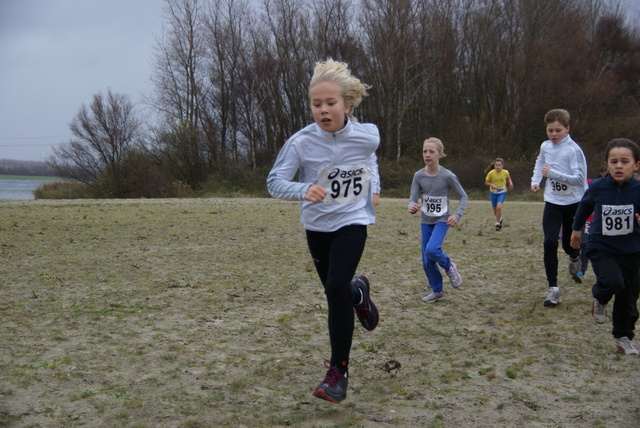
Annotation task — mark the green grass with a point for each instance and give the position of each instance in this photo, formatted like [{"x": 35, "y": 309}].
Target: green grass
[{"x": 208, "y": 312}]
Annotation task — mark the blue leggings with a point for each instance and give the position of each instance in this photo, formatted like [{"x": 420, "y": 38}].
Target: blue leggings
[{"x": 432, "y": 255}]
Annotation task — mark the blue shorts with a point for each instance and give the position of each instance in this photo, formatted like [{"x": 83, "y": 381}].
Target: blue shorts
[{"x": 497, "y": 197}]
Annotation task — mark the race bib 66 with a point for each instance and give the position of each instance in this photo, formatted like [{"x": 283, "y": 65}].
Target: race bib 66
[
  {"x": 559, "y": 188},
  {"x": 345, "y": 184}
]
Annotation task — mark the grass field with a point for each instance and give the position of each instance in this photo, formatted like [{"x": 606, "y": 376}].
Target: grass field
[{"x": 208, "y": 312}]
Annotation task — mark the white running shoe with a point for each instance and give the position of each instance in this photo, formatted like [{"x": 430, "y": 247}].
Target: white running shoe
[
  {"x": 598, "y": 311},
  {"x": 454, "y": 276},
  {"x": 625, "y": 346},
  {"x": 433, "y": 297},
  {"x": 552, "y": 296}
]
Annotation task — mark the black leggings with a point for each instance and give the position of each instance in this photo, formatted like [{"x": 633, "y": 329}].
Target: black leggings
[
  {"x": 553, "y": 218},
  {"x": 617, "y": 275},
  {"x": 336, "y": 256}
]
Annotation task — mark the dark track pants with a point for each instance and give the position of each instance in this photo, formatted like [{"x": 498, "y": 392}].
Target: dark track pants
[
  {"x": 555, "y": 217},
  {"x": 618, "y": 275}
]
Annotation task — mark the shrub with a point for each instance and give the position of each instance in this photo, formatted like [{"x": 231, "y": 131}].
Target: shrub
[{"x": 63, "y": 190}]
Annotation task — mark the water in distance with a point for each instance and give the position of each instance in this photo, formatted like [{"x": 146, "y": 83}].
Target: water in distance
[{"x": 19, "y": 189}]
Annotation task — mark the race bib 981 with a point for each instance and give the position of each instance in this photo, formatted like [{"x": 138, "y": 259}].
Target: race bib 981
[
  {"x": 345, "y": 184},
  {"x": 617, "y": 220}
]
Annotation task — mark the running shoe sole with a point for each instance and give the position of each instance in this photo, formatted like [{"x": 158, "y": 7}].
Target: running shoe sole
[
  {"x": 367, "y": 312},
  {"x": 436, "y": 299},
  {"x": 321, "y": 393}
]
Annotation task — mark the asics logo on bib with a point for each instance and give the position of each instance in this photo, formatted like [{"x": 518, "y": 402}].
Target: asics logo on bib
[
  {"x": 337, "y": 172},
  {"x": 619, "y": 211}
]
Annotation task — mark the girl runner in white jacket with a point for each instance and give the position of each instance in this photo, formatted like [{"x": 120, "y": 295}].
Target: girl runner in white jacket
[{"x": 339, "y": 187}]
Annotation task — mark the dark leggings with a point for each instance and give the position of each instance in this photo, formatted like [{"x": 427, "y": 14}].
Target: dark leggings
[
  {"x": 336, "y": 256},
  {"x": 555, "y": 217},
  {"x": 617, "y": 275}
]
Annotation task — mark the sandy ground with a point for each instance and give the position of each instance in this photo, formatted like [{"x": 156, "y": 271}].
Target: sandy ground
[{"x": 203, "y": 313}]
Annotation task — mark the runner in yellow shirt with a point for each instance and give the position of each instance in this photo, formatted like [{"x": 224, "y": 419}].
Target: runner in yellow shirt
[{"x": 498, "y": 179}]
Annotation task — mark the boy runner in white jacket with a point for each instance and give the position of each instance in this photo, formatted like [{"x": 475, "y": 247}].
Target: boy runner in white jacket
[{"x": 563, "y": 163}]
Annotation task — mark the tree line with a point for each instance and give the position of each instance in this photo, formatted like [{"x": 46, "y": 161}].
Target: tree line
[
  {"x": 231, "y": 80},
  {"x": 22, "y": 167}
]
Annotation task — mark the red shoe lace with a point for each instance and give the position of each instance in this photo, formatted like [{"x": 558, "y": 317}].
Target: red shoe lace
[{"x": 333, "y": 376}]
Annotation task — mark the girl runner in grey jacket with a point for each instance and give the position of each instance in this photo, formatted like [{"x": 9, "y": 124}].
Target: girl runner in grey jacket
[
  {"x": 432, "y": 185},
  {"x": 339, "y": 187}
]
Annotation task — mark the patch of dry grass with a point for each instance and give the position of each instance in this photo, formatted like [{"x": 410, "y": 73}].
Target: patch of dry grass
[{"x": 208, "y": 312}]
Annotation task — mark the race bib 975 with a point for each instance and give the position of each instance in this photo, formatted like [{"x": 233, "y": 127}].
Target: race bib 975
[{"x": 345, "y": 184}]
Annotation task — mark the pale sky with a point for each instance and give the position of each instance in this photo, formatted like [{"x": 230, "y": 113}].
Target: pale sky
[{"x": 56, "y": 54}]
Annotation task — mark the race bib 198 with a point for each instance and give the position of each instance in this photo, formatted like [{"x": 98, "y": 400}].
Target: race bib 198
[
  {"x": 434, "y": 206},
  {"x": 559, "y": 188},
  {"x": 617, "y": 220},
  {"x": 345, "y": 184}
]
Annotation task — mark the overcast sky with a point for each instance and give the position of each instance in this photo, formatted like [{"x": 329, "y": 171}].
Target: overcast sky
[{"x": 56, "y": 54}]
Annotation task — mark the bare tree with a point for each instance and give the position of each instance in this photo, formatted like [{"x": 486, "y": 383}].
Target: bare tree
[
  {"x": 289, "y": 24},
  {"x": 390, "y": 29},
  {"x": 253, "y": 98},
  {"x": 180, "y": 84},
  {"x": 226, "y": 25},
  {"x": 334, "y": 33},
  {"x": 106, "y": 132}
]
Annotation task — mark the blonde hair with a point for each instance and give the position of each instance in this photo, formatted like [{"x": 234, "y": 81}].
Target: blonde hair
[
  {"x": 436, "y": 142},
  {"x": 338, "y": 72}
]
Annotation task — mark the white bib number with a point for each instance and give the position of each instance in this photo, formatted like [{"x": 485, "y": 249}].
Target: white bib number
[
  {"x": 434, "y": 206},
  {"x": 500, "y": 190},
  {"x": 617, "y": 220},
  {"x": 559, "y": 188},
  {"x": 345, "y": 184}
]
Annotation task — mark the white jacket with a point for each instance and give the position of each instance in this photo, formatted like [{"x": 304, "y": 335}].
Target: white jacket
[
  {"x": 567, "y": 178},
  {"x": 308, "y": 152}
]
